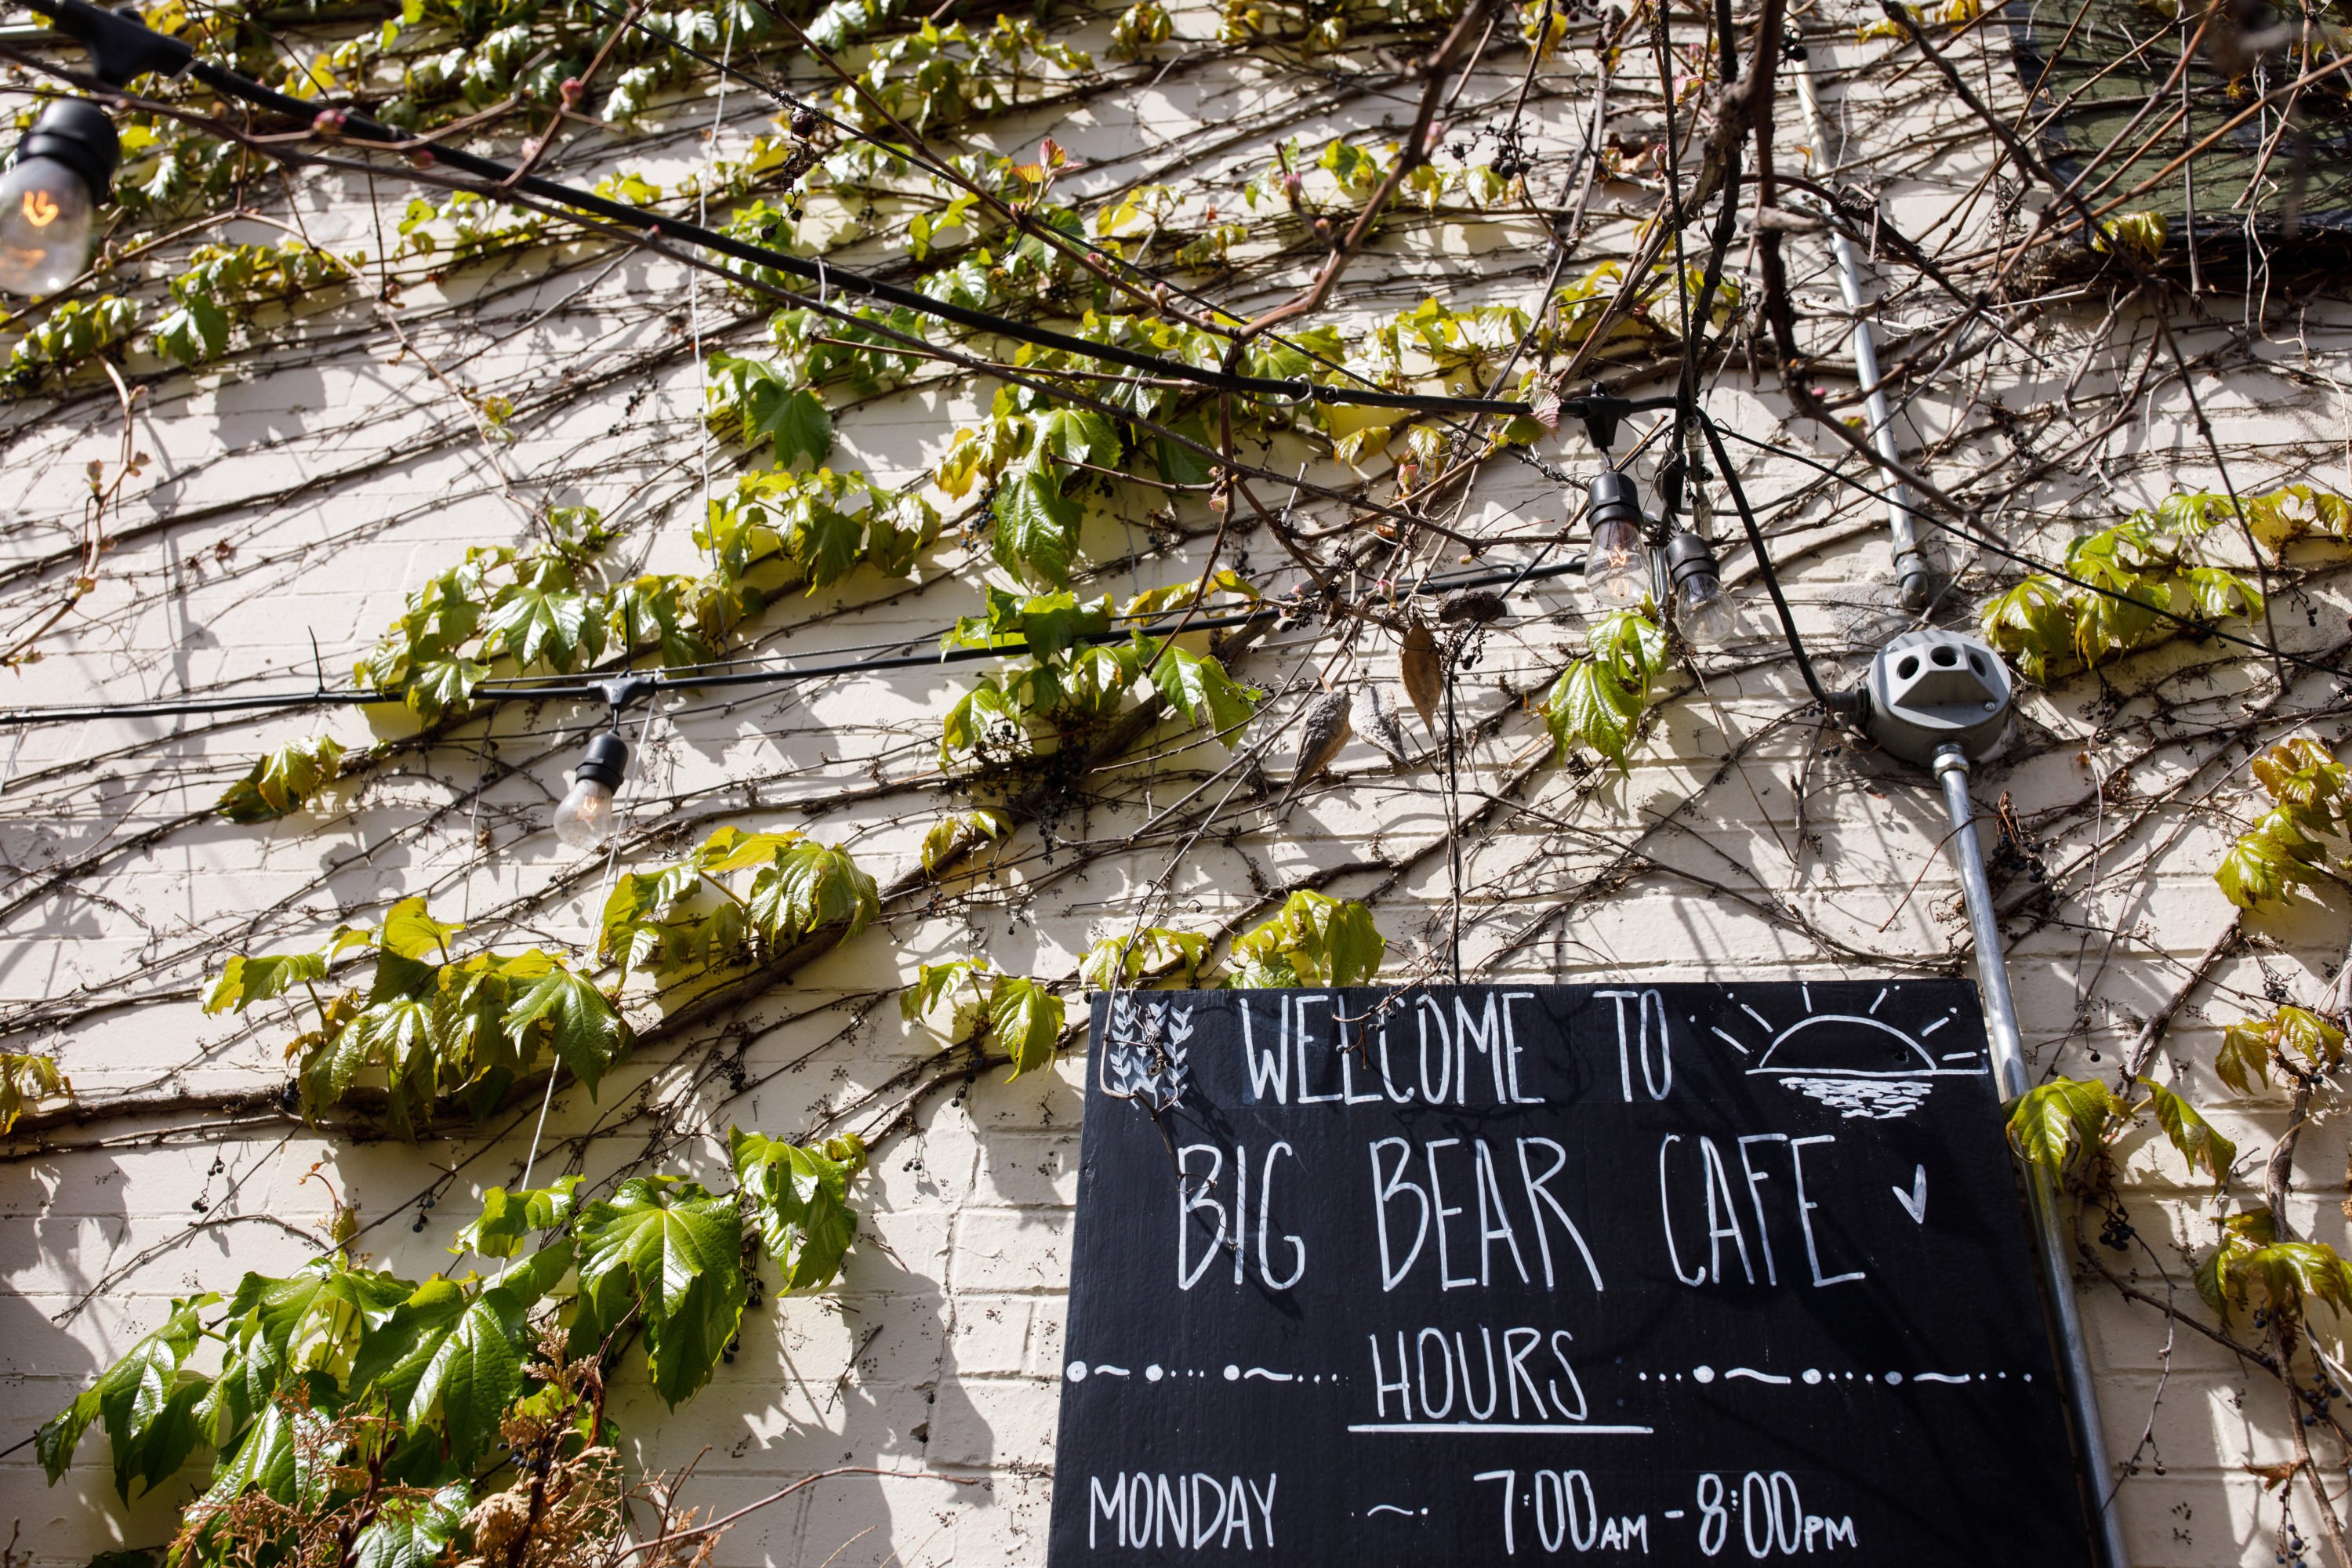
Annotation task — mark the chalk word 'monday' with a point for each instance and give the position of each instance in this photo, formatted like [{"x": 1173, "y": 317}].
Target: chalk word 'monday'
[{"x": 1189, "y": 1513}]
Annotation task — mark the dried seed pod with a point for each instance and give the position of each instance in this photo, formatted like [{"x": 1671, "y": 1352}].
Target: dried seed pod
[
  {"x": 1374, "y": 717},
  {"x": 1417, "y": 668},
  {"x": 1321, "y": 734}
]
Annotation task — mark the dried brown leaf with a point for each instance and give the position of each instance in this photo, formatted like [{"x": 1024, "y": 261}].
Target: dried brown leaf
[{"x": 1417, "y": 668}]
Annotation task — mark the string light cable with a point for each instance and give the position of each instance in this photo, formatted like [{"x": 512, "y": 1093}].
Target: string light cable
[
  {"x": 622, "y": 692},
  {"x": 121, "y": 47}
]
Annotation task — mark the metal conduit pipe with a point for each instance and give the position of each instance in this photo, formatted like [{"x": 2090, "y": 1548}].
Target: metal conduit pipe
[
  {"x": 2009, "y": 1071},
  {"x": 1910, "y": 566}
]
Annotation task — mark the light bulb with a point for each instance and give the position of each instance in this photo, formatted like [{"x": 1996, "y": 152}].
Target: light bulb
[
  {"x": 1617, "y": 567},
  {"x": 1617, "y": 564},
  {"x": 63, "y": 168},
  {"x": 584, "y": 818},
  {"x": 1704, "y": 613},
  {"x": 45, "y": 222}
]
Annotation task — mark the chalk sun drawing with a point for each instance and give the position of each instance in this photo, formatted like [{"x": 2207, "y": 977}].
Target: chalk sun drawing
[{"x": 1858, "y": 1064}]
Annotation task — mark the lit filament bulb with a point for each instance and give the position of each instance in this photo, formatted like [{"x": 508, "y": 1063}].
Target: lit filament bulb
[
  {"x": 1617, "y": 565},
  {"x": 50, "y": 196},
  {"x": 44, "y": 224},
  {"x": 584, "y": 818}
]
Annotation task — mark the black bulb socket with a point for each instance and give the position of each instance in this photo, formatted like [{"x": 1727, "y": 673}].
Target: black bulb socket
[
  {"x": 605, "y": 763},
  {"x": 78, "y": 133},
  {"x": 1615, "y": 499},
  {"x": 1690, "y": 556}
]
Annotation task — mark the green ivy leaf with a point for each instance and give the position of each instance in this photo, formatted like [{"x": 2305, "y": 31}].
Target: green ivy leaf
[
  {"x": 1051, "y": 625},
  {"x": 508, "y": 1219},
  {"x": 1182, "y": 465},
  {"x": 142, "y": 1403},
  {"x": 2031, "y": 623},
  {"x": 2305, "y": 1272},
  {"x": 732, "y": 849},
  {"x": 25, "y": 1079},
  {"x": 2192, "y": 1135},
  {"x": 629, "y": 931},
  {"x": 977, "y": 721},
  {"x": 55, "y": 1439},
  {"x": 1357, "y": 447},
  {"x": 534, "y": 1277},
  {"x": 950, "y": 835},
  {"x": 1076, "y": 436},
  {"x": 799, "y": 1198},
  {"x": 935, "y": 982},
  {"x": 826, "y": 542},
  {"x": 2250, "y": 1046},
  {"x": 1199, "y": 689},
  {"x": 1313, "y": 939},
  {"x": 409, "y": 931},
  {"x": 646, "y": 609},
  {"x": 473, "y": 1375},
  {"x": 677, "y": 1250},
  {"x": 281, "y": 782},
  {"x": 2138, "y": 234},
  {"x": 533, "y": 624},
  {"x": 394, "y": 1353},
  {"x": 1118, "y": 964},
  {"x": 246, "y": 980},
  {"x": 164, "y": 1448},
  {"x": 287, "y": 1455},
  {"x": 1599, "y": 697},
  {"x": 753, "y": 403},
  {"x": 411, "y": 1531},
  {"x": 2055, "y": 1124},
  {"x": 395, "y": 1036},
  {"x": 1026, "y": 1020},
  {"x": 195, "y": 329},
  {"x": 2243, "y": 1058},
  {"x": 812, "y": 887},
  {"x": 2259, "y": 869},
  {"x": 314, "y": 1319},
  {"x": 587, "y": 1031},
  {"x": 1036, "y": 533},
  {"x": 438, "y": 687},
  {"x": 2311, "y": 1036}
]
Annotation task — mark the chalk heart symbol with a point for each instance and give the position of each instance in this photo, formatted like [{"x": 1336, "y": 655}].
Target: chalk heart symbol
[{"x": 1915, "y": 1201}]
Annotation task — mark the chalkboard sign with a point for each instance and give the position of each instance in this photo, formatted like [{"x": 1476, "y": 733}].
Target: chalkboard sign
[{"x": 1677, "y": 1273}]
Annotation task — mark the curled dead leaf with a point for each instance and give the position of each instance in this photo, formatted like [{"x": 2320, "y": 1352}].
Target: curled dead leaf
[
  {"x": 1417, "y": 669},
  {"x": 2274, "y": 1476}
]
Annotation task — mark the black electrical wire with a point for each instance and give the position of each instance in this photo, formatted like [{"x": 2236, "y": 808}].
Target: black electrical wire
[
  {"x": 121, "y": 47},
  {"x": 1843, "y": 703},
  {"x": 621, "y": 687}
]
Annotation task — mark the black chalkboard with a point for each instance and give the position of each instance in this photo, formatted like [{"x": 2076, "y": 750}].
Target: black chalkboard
[{"x": 1679, "y": 1273}]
